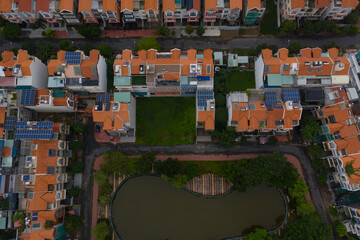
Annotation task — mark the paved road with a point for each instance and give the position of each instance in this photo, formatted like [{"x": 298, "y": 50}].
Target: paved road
[
  {"x": 119, "y": 44},
  {"x": 93, "y": 149}
]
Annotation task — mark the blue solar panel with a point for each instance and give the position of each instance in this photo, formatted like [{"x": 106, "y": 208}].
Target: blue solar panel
[
  {"x": 291, "y": 95},
  {"x": 28, "y": 97},
  {"x": 21, "y": 125},
  {"x": 189, "y": 4},
  {"x": 73, "y": 57},
  {"x": 35, "y": 216},
  {"x": 278, "y": 107},
  {"x": 44, "y": 125},
  {"x": 203, "y": 96},
  {"x": 108, "y": 105},
  {"x": 33, "y": 134},
  {"x": 102, "y": 98},
  {"x": 10, "y": 123},
  {"x": 270, "y": 98},
  {"x": 26, "y": 177},
  {"x": 203, "y": 78}
]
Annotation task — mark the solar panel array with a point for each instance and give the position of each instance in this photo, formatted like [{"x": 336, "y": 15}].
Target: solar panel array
[
  {"x": 26, "y": 177},
  {"x": 35, "y": 216},
  {"x": 44, "y": 125},
  {"x": 203, "y": 96},
  {"x": 270, "y": 98},
  {"x": 189, "y": 4},
  {"x": 33, "y": 134},
  {"x": 278, "y": 107},
  {"x": 108, "y": 106},
  {"x": 21, "y": 125},
  {"x": 28, "y": 97},
  {"x": 291, "y": 95},
  {"x": 102, "y": 98},
  {"x": 73, "y": 57},
  {"x": 10, "y": 122}
]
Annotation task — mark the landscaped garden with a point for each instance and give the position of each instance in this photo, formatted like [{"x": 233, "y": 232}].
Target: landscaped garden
[
  {"x": 165, "y": 121},
  {"x": 240, "y": 81}
]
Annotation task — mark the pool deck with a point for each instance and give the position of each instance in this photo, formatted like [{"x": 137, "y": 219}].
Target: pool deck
[{"x": 220, "y": 157}]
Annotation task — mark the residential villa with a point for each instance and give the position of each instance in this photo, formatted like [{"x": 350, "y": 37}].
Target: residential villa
[
  {"x": 87, "y": 9},
  {"x": 311, "y": 68},
  {"x": 68, "y": 11},
  {"x": 178, "y": 13},
  {"x": 253, "y": 11},
  {"x": 275, "y": 114},
  {"x": 22, "y": 71},
  {"x": 78, "y": 73},
  {"x": 18, "y": 11}
]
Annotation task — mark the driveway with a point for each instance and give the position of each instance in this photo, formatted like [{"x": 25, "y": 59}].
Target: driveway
[{"x": 93, "y": 149}]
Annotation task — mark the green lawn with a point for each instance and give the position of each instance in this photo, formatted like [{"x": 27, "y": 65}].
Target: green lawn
[
  {"x": 268, "y": 24},
  {"x": 240, "y": 81},
  {"x": 205, "y": 167},
  {"x": 165, "y": 120}
]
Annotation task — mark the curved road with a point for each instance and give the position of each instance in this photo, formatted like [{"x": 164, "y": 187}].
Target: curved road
[
  {"x": 119, "y": 44},
  {"x": 93, "y": 149}
]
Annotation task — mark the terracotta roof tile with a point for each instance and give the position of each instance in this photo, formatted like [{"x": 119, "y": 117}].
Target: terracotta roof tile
[
  {"x": 5, "y": 5},
  {"x": 42, "y": 5},
  {"x": 127, "y": 4},
  {"x": 112, "y": 120},
  {"x": 151, "y": 5},
  {"x": 253, "y": 4},
  {"x": 211, "y": 5},
  {"x": 67, "y": 5},
  {"x": 350, "y": 3},
  {"x": 169, "y": 5},
  {"x": 208, "y": 118}
]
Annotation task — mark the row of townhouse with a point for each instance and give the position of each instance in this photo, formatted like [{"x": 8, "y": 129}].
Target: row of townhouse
[
  {"x": 316, "y": 9},
  {"x": 340, "y": 132},
  {"x": 311, "y": 68}
]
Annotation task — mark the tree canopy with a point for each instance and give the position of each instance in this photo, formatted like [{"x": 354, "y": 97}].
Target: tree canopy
[
  {"x": 30, "y": 46},
  {"x": 299, "y": 189},
  {"x": 89, "y": 30},
  {"x": 294, "y": 47},
  {"x": 258, "y": 234},
  {"x": 200, "y": 30},
  {"x": 309, "y": 128},
  {"x": 73, "y": 223},
  {"x": 147, "y": 43},
  {"x": 66, "y": 46},
  {"x": 101, "y": 230},
  {"x": 340, "y": 229},
  {"x": 288, "y": 26},
  {"x": 106, "y": 51},
  {"x": 189, "y": 29},
  {"x": 11, "y": 31},
  {"x": 170, "y": 167}
]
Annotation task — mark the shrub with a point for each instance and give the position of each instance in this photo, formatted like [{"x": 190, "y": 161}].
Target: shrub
[
  {"x": 294, "y": 47},
  {"x": 340, "y": 229},
  {"x": 106, "y": 51},
  {"x": 273, "y": 140},
  {"x": 76, "y": 167},
  {"x": 288, "y": 26},
  {"x": 163, "y": 30},
  {"x": 48, "y": 33},
  {"x": 11, "y": 31},
  {"x": 191, "y": 170},
  {"x": 322, "y": 178},
  {"x": 189, "y": 29},
  {"x": 78, "y": 127},
  {"x": 73, "y": 192},
  {"x": 89, "y": 30},
  {"x": 147, "y": 43},
  {"x": 73, "y": 223},
  {"x": 30, "y": 46},
  {"x": 200, "y": 30},
  {"x": 66, "y": 46},
  {"x": 101, "y": 230}
]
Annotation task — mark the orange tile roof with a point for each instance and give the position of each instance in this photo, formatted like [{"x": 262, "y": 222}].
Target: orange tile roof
[
  {"x": 312, "y": 55},
  {"x": 2, "y": 115},
  {"x": 40, "y": 201},
  {"x": 241, "y": 116},
  {"x": 208, "y": 118},
  {"x": 151, "y": 5},
  {"x": 253, "y": 4},
  {"x": 290, "y": 116},
  {"x": 211, "y": 5},
  {"x": 238, "y": 4},
  {"x": 60, "y": 102},
  {"x": 42, "y": 182},
  {"x": 350, "y": 3},
  {"x": 169, "y": 5},
  {"x": 5, "y": 5},
  {"x": 84, "y": 5},
  {"x": 24, "y": 6},
  {"x": 297, "y": 4},
  {"x": 350, "y": 144},
  {"x": 354, "y": 160},
  {"x": 54, "y": 63},
  {"x": 337, "y": 112},
  {"x": 344, "y": 129},
  {"x": 334, "y": 55},
  {"x": 171, "y": 75},
  {"x": 322, "y": 3},
  {"x": 88, "y": 64},
  {"x": 42, "y": 154},
  {"x": 109, "y": 5},
  {"x": 67, "y": 5},
  {"x": 7, "y": 152},
  {"x": 8, "y": 61},
  {"x": 186, "y": 61},
  {"x": 257, "y": 115},
  {"x": 39, "y": 234},
  {"x": 42, "y": 5},
  {"x": 272, "y": 116},
  {"x": 272, "y": 62},
  {"x": 127, "y": 4},
  {"x": 112, "y": 120},
  {"x": 207, "y": 60}
]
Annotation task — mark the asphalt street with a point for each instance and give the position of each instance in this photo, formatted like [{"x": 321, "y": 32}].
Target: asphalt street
[
  {"x": 118, "y": 44},
  {"x": 92, "y": 150}
]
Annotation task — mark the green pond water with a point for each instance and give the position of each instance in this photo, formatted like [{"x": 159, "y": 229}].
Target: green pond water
[{"x": 149, "y": 207}]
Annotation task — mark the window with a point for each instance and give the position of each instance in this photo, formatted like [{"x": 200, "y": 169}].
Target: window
[
  {"x": 319, "y": 70},
  {"x": 286, "y": 67},
  {"x": 36, "y": 225},
  {"x": 30, "y": 194},
  {"x": 52, "y": 152},
  {"x": 310, "y": 70},
  {"x": 34, "y": 147},
  {"x": 343, "y": 152},
  {"x": 208, "y": 69},
  {"x": 236, "y": 106},
  {"x": 267, "y": 69}
]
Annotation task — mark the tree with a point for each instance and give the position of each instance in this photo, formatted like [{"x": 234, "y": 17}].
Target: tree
[
  {"x": 331, "y": 45},
  {"x": 352, "y": 18},
  {"x": 104, "y": 199},
  {"x": 170, "y": 167},
  {"x": 288, "y": 26},
  {"x": 73, "y": 223},
  {"x": 76, "y": 145},
  {"x": 299, "y": 189},
  {"x": 101, "y": 230},
  {"x": 226, "y": 137},
  {"x": 66, "y": 46},
  {"x": 77, "y": 127},
  {"x": 163, "y": 30},
  {"x": 179, "y": 181},
  {"x": 147, "y": 43},
  {"x": 191, "y": 170},
  {"x": 146, "y": 162},
  {"x": 48, "y": 33},
  {"x": 353, "y": 30},
  {"x": 315, "y": 151},
  {"x": 308, "y": 28},
  {"x": 30, "y": 46},
  {"x": 303, "y": 207},
  {"x": 340, "y": 229},
  {"x": 258, "y": 234},
  {"x": 308, "y": 227},
  {"x": 91, "y": 30},
  {"x": 133, "y": 166},
  {"x": 75, "y": 167},
  {"x": 322, "y": 178},
  {"x": 11, "y": 31},
  {"x": 106, "y": 51},
  {"x": 309, "y": 128},
  {"x": 200, "y": 30},
  {"x": 73, "y": 192},
  {"x": 102, "y": 178},
  {"x": 317, "y": 164},
  {"x": 87, "y": 48},
  {"x": 294, "y": 47},
  {"x": 45, "y": 51},
  {"x": 189, "y": 29}
]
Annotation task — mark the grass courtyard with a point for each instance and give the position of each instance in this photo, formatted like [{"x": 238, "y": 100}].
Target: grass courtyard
[
  {"x": 165, "y": 120},
  {"x": 240, "y": 81}
]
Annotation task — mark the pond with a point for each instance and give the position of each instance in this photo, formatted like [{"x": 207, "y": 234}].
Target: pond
[{"x": 149, "y": 207}]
